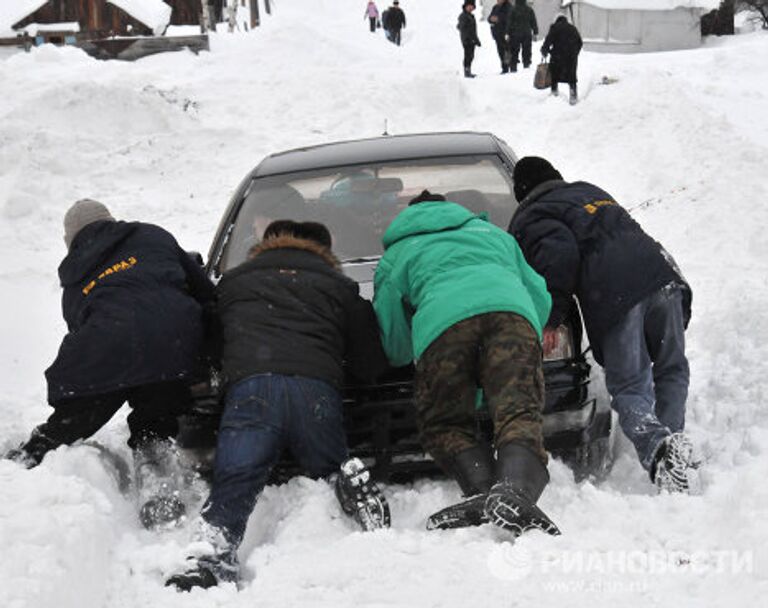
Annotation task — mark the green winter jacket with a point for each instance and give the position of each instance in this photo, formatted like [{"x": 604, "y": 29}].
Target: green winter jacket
[{"x": 443, "y": 264}]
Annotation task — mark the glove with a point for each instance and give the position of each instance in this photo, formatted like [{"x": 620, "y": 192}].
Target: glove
[
  {"x": 535, "y": 37},
  {"x": 477, "y": 43},
  {"x": 21, "y": 456}
]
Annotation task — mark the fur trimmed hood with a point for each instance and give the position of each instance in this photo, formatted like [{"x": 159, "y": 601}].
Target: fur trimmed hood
[{"x": 287, "y": 241}]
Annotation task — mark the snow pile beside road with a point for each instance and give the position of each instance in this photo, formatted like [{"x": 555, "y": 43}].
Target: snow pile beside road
[{"x": 680, "y": 138}]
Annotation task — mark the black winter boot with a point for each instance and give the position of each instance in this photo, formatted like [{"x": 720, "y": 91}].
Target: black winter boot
[
  {"x": 212, "y": 559},
  {"x": 511, "y": 503},
  {"x": 468, "y": 73},
  {"x": 158, "y": 484},
  {"x": 473, "y": 469},
  {"x": 574, "y": 96},
  {"x": 359, "y": 496}
]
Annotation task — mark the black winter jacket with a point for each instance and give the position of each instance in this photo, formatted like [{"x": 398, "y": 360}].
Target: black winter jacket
[
  {"x": 499, "y": 27},
  {"x": 563, "y": 43},
  {"x": 521, "y": 20},
  {"x": 289, "y": 310},
  {"x": 133, "y": 302},
  {"x": 467, "y": 27},
  {"x": 395, "y": 19},
  {"x": 585, "y": 244}
]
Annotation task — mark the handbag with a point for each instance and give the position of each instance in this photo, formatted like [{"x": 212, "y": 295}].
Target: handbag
[{"x": 542, "y": 79}]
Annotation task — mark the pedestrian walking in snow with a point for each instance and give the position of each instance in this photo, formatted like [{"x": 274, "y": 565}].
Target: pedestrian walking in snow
[
  {"x": 467, "y": 27},
  {"x": 634, "y": 300},
  {"x": 563, "y": 44},
  {"x": 372, "y": 14},
  {"x": 394, "y": 22},
  {"x": 498, "y": 20},
  {"x": 133, "y": 302},
  {"x": 522, "y": 29},
  {"x": 289, "y": 317},
  {"x": 454, "y": 293}
]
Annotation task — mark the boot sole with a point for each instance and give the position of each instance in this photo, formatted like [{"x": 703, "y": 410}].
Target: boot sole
[{"x": 505, "y": 512}]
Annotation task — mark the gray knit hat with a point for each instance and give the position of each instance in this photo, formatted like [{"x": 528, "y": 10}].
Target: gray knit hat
[{"x": 83, "y": 212}]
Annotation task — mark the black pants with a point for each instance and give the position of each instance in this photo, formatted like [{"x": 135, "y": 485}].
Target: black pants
[
  {"x": 155, "y": 409},
  {"x": 518, "y": 43},
  {"x": 373, "y": 23},
  {"x": 502, "y": 48},
  {"x": 469, "y": 54}
]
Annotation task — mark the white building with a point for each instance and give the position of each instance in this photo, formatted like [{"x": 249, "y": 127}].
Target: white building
[
  {"x": 639, "y": 26},
  {"x": 627, "y": 26}
]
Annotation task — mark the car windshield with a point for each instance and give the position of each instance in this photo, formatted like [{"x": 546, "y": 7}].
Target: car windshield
[{"x": 357, "y": 203}]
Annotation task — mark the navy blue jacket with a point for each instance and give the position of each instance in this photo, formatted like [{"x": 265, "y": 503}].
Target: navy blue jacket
[
  {"x": 133, "y": 303},
  {"x": 499, "y": 28},
  {"x": 585, "y": 244}
]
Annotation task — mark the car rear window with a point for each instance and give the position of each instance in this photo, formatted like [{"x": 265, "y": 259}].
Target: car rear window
[{"x": 357, "y": 203}]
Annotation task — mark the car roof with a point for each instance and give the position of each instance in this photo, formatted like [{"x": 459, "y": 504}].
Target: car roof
[{"x": 378, "y": 149}]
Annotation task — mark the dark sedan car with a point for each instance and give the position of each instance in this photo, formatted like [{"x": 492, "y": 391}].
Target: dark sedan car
[{"x": 356, "y": 188}]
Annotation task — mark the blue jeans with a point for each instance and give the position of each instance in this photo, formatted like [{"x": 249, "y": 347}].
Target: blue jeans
[
  {"x": 263, "y": 415},
  {"x": 646, "y": 371}
]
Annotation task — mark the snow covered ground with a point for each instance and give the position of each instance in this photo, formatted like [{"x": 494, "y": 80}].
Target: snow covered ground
[{"x": 681, "y": 139}]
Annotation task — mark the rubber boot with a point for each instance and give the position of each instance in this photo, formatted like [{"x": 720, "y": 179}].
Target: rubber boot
[
  {"x": 473, "y": 470},
  {"x": 468, "y": 73},
  {"x": 511, "y": 503}
]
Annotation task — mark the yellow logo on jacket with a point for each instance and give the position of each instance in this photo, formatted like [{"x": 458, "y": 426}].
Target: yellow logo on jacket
[
  {"x": 119, "y": 267},
  {"x": 594, "y": 206}
]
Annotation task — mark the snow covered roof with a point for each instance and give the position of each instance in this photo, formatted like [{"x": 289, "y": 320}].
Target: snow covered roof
[
  {"x": 155, "y": 14},
  {"x": 14, "y": 11},
  {"x": 648, "y": 5},
  {"x": 65, "y": 26}
]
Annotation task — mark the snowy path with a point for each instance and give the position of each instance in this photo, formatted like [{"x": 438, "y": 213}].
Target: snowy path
[{"x": 682, "y": 137}]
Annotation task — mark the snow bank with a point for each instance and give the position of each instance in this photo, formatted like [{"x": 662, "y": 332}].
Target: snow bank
[{"x": 680, "y": 138}]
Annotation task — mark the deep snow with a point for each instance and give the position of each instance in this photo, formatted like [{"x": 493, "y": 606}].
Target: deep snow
[{"x": 681, "y": 139}]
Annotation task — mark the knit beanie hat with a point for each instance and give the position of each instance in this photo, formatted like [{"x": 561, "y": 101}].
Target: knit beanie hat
[
  {"x": 531, "y": 171},
  {"x": 82, "y": 213}
]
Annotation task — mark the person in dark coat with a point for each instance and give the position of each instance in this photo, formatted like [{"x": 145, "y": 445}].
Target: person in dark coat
[
  {"x": 467, "y": 27},
  {"x": 634, "y": 300},
  {"x": 521, "y": 29},
  {"x": 290, "y": 319},
  {"x": 394, "y": 23},
  {"x": 563, "y": 43},
  {"x": 498, "y": 20},
  {"x": 134, "y": 303}
]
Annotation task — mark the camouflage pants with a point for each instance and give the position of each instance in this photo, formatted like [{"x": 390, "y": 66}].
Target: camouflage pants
[{"x": 498, "y": 352}]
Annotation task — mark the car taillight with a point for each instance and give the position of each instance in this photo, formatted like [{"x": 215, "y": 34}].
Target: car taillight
[{"x": 563, "y": 346}]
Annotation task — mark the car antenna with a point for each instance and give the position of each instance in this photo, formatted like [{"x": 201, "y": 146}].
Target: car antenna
[{"x": 385, "y": 127}]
